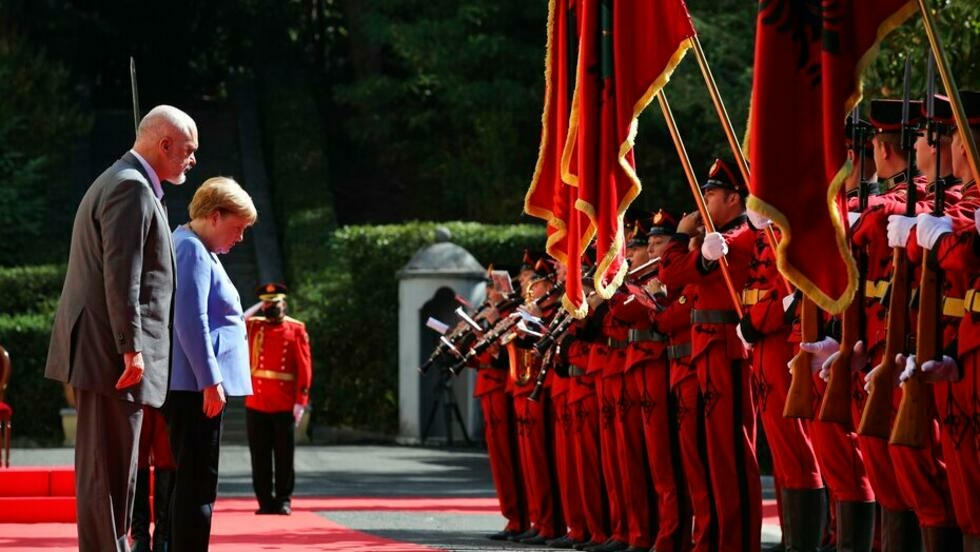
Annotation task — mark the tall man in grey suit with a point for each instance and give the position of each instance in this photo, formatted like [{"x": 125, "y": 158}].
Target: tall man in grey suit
[{"x": 112, "y": 332}]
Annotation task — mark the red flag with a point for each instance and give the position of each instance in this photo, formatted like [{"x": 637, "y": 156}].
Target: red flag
[
  {"x": 548, "y": 197},
  {"x": 808, "y": 61},
  {"x": 627, "y": 52}
]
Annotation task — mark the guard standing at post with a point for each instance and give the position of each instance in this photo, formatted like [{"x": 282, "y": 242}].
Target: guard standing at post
[{"x": 279, "y": 353}]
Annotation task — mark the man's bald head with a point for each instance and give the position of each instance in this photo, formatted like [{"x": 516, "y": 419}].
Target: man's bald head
[{"x": 167, "y": 139}]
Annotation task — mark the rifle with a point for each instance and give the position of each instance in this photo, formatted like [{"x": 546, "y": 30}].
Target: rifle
[
  {"x": 836, "y": 405},
  {"x": 876, "y": 419},
  {"x": 913, "y": 411},
  {"x": 802, "y": 393},
  {"x": 499, "y": 330},
  {"x": 136, "y": 98}
]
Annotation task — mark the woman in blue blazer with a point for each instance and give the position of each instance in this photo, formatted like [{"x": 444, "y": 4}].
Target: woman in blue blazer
[{"x": 210, "y": 353}]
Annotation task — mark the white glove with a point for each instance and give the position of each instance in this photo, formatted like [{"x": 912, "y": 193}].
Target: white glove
[
  {"x": 714, "y": 246},
  {"x": 820, "y": 351},
  {"x": 870, "y": 376},
  {"x": 738, "y": 332},
  {"x": 859, "y": 359},
  {"x": 298, "y": 410},
  {"x": 757, "y": 219},
  {"x": 899, "y": 228},
  {"x": 976, "y": 220},
  {"x": 933, "y": 370},
  {"x": 788, "y": 301},
  {"x": 852, "y": 218},
  {"x": 929, "y": 228}
]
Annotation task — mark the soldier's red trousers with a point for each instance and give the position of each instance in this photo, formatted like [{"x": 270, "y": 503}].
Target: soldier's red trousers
[
  {"x": 501, "y": 439},
  {"x": 729, "y": 421},
  {"x": 534, "y": 441},
  {"x": 921, "y": 474},
  {"x": 154, "y": 445},
  {"x": 961, "y": 441},
  {"x": 650, "y": 381},
  {"x": 792, "y": 452},
  {"x": 840, "y": 458},
  {"x": 582, "y": 398},
  {"x": 566, "y": 439},
  {"x": 877, "y": 460},
  {"x": 605, "y": 387},
  {"x": 632, "y": 465},
  {"x": 694, "y": 455}
]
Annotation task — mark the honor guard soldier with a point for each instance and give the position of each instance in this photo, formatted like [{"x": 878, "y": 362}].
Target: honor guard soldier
[
  {"x": 718, "y": 356},
  {"x": 281, "y": 374}
]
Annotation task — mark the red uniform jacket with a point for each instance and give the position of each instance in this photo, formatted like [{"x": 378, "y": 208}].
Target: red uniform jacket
[{"x": 280, "y": 362}]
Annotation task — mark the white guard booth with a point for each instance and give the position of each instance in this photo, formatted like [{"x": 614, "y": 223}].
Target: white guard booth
[{"x": 433, "y": 406}]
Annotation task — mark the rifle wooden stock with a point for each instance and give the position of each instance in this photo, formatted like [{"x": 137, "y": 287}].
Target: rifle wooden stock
[
  {"x": 801, "y": 395},
  {"x": 836, "y": 405},
  {"x": 876, "y": 420},
  {"x": 913, "y": 412}
]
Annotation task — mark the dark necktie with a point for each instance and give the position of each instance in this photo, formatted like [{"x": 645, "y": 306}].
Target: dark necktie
[{"x": 163, "y": 203}]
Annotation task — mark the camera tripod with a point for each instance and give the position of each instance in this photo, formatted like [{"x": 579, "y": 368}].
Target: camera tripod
[{"x": 443, "y": 396}]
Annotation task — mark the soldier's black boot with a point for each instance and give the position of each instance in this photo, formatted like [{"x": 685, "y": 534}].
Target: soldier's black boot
[
  {"x": 140, "y": 529},
  {"x": 971, "y": 543},
  {"x": 855, "y": 526},
  {"x": 900, "y": 531},
  {"x": 803, "y": 513},
  {"x": 942, "y": 539},
  {"x": 162, "y": 491}
]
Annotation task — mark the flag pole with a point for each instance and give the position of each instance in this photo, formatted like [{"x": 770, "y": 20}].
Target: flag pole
[
  {"x": 726, "y": 125},
  {"x": 709, "y": 226},
  {"x": 954, "y": 94}
]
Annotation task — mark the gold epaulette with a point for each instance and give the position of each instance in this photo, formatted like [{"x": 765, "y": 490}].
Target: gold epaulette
[{"x": 294, "y": 321}]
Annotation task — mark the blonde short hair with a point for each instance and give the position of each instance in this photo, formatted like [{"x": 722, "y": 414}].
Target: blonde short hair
[{"x": 225, "y": 195}]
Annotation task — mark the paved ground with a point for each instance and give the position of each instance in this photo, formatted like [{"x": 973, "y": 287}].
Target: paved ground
[{"x": 378, "y": 471}]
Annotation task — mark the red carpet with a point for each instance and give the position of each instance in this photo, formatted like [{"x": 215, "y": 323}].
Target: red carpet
[{"x": 37, "y": 513}]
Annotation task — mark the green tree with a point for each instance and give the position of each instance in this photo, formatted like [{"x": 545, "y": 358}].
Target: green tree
[{"x": 38, "y": 124}]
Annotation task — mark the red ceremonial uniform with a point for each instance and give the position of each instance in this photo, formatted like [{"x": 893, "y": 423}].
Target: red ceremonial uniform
[
  {"x": 281, "y": 366},
  {"x": 958, "y": 254},
  {"x": 632, "y": 407},
  {"x": 501, "y": 438},
  {"x": 919, "y": 474},
  {"x": 675, "y": 322},
  {"x": 723, "y": 375},
  {"x": 583, "y": 399}
]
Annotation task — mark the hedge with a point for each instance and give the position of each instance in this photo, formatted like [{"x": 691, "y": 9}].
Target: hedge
[
  {"x": 347, "y": 294},
  {"x": 30, "y": 288},
  {"x": 35, "y": 400}
]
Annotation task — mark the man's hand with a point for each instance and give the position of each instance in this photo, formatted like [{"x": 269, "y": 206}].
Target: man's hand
[
  {"x": 929, "y": 229},
  {"x": 822, "y": 352},
  {"x": 133, "y": 372},
  {"x": 738, "y": 332},
  {"x": 214, "y": 400},
  {"x": 714, "y": 246},
  {"x": 859, "y": 359},
  {"x": 899, "y": 228},
  {"x": 298, "y": 410},
  {"x": 933, "y": 370},
  {"x": 689, "y": 223},
  {"x": 758, "y": 220},
  {"x": 976, "y": 220}
]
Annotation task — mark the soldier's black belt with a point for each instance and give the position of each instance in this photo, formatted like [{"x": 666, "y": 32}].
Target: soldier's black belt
[
  {"x": 714, "y": 317},
  {"x": 617, "y": 343},
  {"x": 679, "y": 351},
  {"x": 575, "y": 371},
  {"x": 645, "y": 335}
]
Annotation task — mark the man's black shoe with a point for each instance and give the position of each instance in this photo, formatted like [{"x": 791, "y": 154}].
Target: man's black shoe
[
  {"x": 502, "y": 535},
  {"x": 586, "y": 544},
  {"x": 536, "y": 539},
  {"x": 564, "y": 541},
  {"x": 609, "y": 546},
  {"x": 532, "y": 532},
  {"x": 283, "y": 510},
  {"x": 141, "y": 546}
]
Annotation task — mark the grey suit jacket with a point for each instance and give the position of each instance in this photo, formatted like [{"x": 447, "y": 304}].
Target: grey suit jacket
[{"x": 118, "y": 293}]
